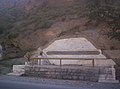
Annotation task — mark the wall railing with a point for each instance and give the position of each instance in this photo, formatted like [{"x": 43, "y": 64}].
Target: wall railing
[{"x": 39, "y": 60}]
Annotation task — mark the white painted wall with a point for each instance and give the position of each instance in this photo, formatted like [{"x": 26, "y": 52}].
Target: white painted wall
[{"x": 71, "y": 44}]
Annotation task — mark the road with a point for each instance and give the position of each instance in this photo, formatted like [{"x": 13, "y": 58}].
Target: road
[
  {"x": 25, "y": 85},
  {"x": 12, "y": 82}
]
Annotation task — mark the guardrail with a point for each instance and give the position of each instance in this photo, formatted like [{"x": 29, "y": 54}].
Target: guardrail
[{"x": 39, "y": 60}]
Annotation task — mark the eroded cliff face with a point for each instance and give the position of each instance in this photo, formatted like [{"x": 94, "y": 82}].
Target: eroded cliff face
[
  {"x": 27, "y": 5},
  {"x": 68, "y": 29},
  {"x": 47, "y": 20}
]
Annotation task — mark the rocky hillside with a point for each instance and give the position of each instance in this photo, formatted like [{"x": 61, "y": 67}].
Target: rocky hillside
[{"x": 26, "y": 25}]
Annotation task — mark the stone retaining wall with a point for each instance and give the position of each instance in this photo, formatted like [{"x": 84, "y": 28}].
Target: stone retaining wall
[{"x": 81, "y": 73}]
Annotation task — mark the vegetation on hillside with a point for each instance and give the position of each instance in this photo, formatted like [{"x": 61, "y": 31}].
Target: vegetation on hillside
[
  {"x": 8, "y": 16},
  {"x": 106, "y": 11},
  {"x": 16, "y": 21},
  {"x": 102, "y": 11}
]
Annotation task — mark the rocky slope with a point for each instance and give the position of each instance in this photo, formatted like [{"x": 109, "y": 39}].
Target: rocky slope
[{"x": 36, "y": 23}]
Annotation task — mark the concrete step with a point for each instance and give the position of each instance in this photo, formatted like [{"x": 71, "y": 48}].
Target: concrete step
[
  {"x": 106, "y": 77},
  {"x": 18, "y": 70},
  {"x": 15, "y": 74},
  {"x": 108, "y": 81}
]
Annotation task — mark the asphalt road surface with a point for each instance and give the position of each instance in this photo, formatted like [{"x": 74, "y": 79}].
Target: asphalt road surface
[
  {"x": 25, "y": 85},
  {"x": 9, "y": 82}
]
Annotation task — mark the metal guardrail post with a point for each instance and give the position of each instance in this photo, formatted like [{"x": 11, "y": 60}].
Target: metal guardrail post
[
  {"x": 60, "y": 62},
  {"x": 32, "y": 62},
  {"x": 93, "y": 62},
  {"x": 39, "y": 61}
]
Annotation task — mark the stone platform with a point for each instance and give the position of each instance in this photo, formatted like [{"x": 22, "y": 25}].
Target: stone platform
[
  {"x": 72, "y": 73},
  {"x": 72, "y": 59}
]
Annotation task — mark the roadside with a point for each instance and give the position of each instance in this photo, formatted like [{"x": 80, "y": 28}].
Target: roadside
[
  {"x": 67, "y": 83},
  {"x": 115, "y": 56},
  {"x": 6, "y": 65}
]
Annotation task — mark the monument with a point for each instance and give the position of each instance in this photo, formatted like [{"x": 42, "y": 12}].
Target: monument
[
  {"x": 71, "y": 59},
  {"x": 80, "y": 50},
  {"x": 76, "y": 48}
]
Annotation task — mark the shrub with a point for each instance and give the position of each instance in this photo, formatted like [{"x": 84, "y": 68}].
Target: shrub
[
  {"x": 107, "y": 11},
  {"x": 43, "y": 23},
  {"x": 4, "y": 27}
]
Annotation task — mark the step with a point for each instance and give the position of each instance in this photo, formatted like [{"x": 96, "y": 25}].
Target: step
[
  {"x": 108, "y": 81},
  {"x": 15, "y": 74}
]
